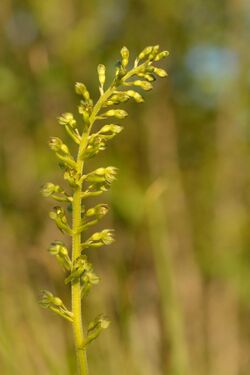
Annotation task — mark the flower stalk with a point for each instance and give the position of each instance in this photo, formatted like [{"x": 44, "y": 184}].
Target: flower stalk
[{"x": 79, "y": 270}]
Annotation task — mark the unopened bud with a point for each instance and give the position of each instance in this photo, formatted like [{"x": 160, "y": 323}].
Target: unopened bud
[
  {"x": 145, "y": 85},
  {"x": 145, "y": 53},
  {"x": 57, "y": 301},
  {"x": 111, "y": 128},
  {"x": 101, "y": 73},
  {"x": 160, "y": 72},
  {"x": 81, "y": 89},
  {"x": 135, "y": 95},
  {"x": 125, "y": 56},
  {"x": 154, "y": 52},
  {"x": 161, "y": 55},
  {"x": 119, "y": 98},
  {"x": 118, "y": 113},
  {"x": 149, "y": 77}
]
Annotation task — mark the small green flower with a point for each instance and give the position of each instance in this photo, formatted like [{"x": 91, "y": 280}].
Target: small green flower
[
  {"x": 102, "y": 175},
  {"x": 72, "y": 177},
  {"x": 80, "y": 266},
  {"x": 59, "y": 249},
  {"x": 99, "y": 211},
  {"x": 49, "y": 301},
  {"x": 98, "y": 239},
  {"x": 59, "y": 216},
  {"x": 95, "y": 327},
  {"x": 67, "y": 119},
  {"x": 50, "y": 188},
  {"x": 55, "y": 144}
]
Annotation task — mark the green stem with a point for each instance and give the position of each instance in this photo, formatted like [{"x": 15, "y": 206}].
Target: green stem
[
  {"x": 76, "y": 289},
  {"x": 78, "y": 330}
]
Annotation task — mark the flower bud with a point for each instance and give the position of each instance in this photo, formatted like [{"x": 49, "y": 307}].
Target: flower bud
[
  {"x": 116, "y": 129},
  {"x": 125, "y": 56},
  {"x": 154, "y": 52},
  {"x": 135, "y": 95},
  {"x": 149, "y": 69},
  {"x": 118, "y": 113},
  {"x": 101, "y": 73},
  {"x": 100, "y": 171},
  {"x": 149, "y": 77},
  {"x": 119, "y": 98},
  {"x": 161, "y": 55},
  {"x": 145, "y": 53},
  {"x": 145, "y": 85},
  {"x": 81, "y": 89},
  {"x": 160, "y": 72},
  {"x": 108, "y": 103},
  {"x": 57, "y": 301}
]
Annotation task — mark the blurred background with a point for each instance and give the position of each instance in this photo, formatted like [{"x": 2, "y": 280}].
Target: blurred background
[{"x": 176, "y": 284}]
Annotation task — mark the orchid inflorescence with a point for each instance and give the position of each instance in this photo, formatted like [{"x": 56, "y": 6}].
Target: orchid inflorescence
[{"x": 79, "y": 270}]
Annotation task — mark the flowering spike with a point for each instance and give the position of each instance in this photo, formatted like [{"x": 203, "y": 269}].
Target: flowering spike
[{"x": 83, "y": 185}]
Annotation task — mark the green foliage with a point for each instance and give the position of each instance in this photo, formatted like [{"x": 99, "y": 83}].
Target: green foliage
[{"x": 80, "y": 271}]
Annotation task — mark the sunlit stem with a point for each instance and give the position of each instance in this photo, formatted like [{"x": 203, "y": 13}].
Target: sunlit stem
[{"x": 78, "y": 317}]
